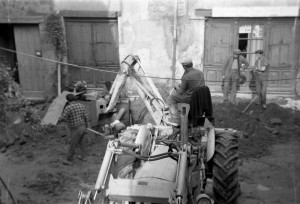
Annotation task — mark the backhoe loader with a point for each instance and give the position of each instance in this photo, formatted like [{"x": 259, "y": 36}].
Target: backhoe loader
[{"x": 160, "y": 163}]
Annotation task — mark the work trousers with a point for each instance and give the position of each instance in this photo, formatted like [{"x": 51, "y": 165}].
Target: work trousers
[
  {"x": 261, "y": 86},
  {"x": 230, "y": 84},
  {"x": 77, "y": 135},
  {"x": 173, "y": 100}
]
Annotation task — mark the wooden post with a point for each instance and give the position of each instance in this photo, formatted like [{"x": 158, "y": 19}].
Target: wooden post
[
  {"x": 64, "y": 69},
  {"x": 59, "y": 79},
  {"x": 174, "y": 44}
]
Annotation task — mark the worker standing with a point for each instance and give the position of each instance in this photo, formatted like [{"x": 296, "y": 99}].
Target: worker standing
[
  {"x": 191, "y": 79},
  {"x": 231, "y": 74},
  {"x": 76, "y": 116},
  {"x": 261, "y": 72}
]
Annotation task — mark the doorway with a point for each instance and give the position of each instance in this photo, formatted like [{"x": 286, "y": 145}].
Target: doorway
[
  {"x": 251, "y": 38},
  {"x": 93, "y": 43},
  {"x": 8, "y": 59}
]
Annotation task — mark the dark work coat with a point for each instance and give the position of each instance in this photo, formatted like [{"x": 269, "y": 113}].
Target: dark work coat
[{"x": 200, "y": 104}]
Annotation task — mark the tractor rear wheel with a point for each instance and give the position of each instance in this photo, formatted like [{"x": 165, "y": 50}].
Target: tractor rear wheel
[{"x": 225, "y": 168}]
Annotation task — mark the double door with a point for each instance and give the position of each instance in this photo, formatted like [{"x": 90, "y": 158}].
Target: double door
[
  {"x": 274, "y": 37},
  {"x": 92, "y": 44}
]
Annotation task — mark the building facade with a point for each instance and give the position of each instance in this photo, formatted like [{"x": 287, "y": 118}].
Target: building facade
[
  {"x": 101, "y": 33},
  {"x": 22, "y": 38}
]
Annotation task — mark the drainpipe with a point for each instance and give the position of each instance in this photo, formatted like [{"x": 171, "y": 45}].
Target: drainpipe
[{"x": 174, "y": 43}]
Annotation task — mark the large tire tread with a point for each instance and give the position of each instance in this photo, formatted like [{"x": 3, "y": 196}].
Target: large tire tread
[{"x": 226, "y": 187}]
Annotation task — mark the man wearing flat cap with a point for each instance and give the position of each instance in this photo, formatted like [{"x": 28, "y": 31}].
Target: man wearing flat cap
[
  {"x": 231, "y": 74},
  {"x": 191, "y": 79},
  {"x": 261, "y": 70}
]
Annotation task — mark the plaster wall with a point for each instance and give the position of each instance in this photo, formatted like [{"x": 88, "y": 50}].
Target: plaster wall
[
  {"x": 16, "y": 8},
  {"x": 146, "y": 29},
  {"x": 88, "y": 5},
  {"x": 208, "y": 4},
  {"x": 297, "y": 58}
]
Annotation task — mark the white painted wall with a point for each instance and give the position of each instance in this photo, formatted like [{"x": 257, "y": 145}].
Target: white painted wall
[
  {"x": 146, "y": 29},
  {"x": 209, "y": 4},
  {"x": 87, "y": 5}
]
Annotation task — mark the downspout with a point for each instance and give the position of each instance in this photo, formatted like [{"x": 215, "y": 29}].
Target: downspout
[{"x": 174, "y": 43}]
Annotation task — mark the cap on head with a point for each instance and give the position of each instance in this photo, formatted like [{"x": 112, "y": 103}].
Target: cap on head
[
  {"x": 259, "y": 52},
  {"x": 187, "y": 63},
  {"x": 237, "y": 51},
  {"x": 71, "y": 97}
]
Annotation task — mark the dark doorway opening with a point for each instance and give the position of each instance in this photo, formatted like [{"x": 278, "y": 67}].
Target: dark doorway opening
[
  {"x": 8, "y": 59},
  {"x": 243, "y": 43}
]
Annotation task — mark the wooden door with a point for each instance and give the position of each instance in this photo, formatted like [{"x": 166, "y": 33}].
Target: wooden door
[
  {"x": 218, "y": 46},
  {"x": 93, "y": 44},
  {"x": 79, "y": 41},
  {"x": 27, "y": 40},
  {"x": 277, "y": 40},
  {"x": 280, "y": 54}
]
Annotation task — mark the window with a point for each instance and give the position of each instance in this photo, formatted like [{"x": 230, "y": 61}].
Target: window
[{"x": 250, "y": 40}]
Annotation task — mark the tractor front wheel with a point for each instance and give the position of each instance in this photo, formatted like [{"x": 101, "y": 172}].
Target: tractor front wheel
[{"x": 225, "y": 168}]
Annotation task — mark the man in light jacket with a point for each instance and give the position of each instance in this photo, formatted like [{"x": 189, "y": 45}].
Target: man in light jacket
[
  {"x": 261, "y": 72},
  {"x": 231, "y": 74}
]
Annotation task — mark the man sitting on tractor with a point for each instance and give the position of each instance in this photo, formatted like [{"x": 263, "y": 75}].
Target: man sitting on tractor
[{"x": 191, "y": 79}]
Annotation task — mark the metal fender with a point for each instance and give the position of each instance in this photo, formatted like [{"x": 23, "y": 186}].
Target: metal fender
[{"x": 210, "y": 140}]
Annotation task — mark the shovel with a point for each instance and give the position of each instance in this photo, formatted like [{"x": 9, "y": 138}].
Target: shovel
[
  {"x": 101, "y": 134},
  {"x": 249, "y": 104}
]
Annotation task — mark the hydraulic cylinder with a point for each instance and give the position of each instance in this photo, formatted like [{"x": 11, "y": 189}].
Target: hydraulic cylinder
[{"x": 105, "y": 166}]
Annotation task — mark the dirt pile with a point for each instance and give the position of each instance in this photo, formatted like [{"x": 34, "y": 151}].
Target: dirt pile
[
  {"x": 260, "y": 132},
  {"x": 288, "y": 116},
  {"x": 50, "y": 183},
  {"x": 26, "y": 135}
]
